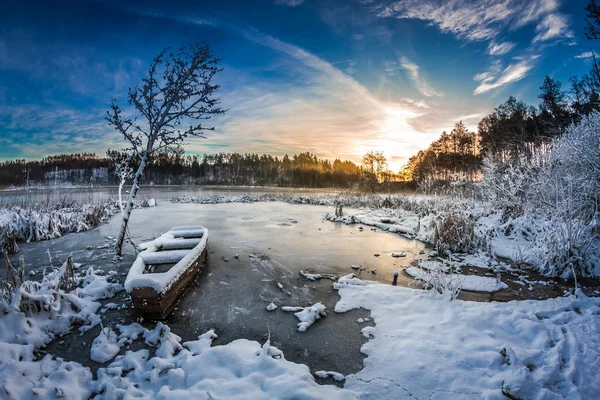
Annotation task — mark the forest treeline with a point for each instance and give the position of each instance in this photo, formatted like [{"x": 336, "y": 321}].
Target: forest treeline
[{"x": 302, "y": 170}]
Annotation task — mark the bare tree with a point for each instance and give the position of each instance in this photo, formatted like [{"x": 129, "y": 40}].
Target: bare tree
[
  {"x": 374, "y": 164},
  {"x": 168, "y": 107},
  {"x": 123, "y": 170}
]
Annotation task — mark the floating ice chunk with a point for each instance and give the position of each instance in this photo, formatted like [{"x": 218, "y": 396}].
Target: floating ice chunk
[
  {"x": 310, "y": 277},
  {"x": 350, "y": 279},
  {"x": 326, "y": 374},
  {"x": 309, "y": 315},
  {"x": 271, "y": 307},
  {"x": 291, "y": 309},
  {"x": 360, "y": 320},
  {"x": 401, "y": 254}
]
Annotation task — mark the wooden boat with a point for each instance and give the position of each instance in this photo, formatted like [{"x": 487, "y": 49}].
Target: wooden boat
[{"x": 164, "y": 268}]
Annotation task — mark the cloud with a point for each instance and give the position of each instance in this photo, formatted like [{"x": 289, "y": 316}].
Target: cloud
[
  {"x": 36, "y": 131},
  {"x": 496, "y": 77},
  {"x": 415, "y": 75},
  {"x": 482, "y": 20},
  {"x": 553, "y": 26},
  {"x": 289, "y": 3},
  {"x": 498, "y": 49},
  {"x": 470, "y": 117},
  {"x": 320, "y": 109},
  {"x": 587, "y": 54}
]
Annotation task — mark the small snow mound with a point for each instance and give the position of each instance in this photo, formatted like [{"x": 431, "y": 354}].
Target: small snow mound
[
  {"x": 105, "y": 347},
  {"x": 309, "y": 315},
  {"x": 271, "y": 307},
  {"x": 472, "y": 283},
  {"x": 310, "y": 277},
  {"x": 326, "y": 374}
]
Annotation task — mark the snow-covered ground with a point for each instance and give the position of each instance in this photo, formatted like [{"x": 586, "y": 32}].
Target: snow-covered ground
[
  {"x": 424, "y": 346},
  {"x": 420, "y": 345},
  {"x": 241, "y": 369}
]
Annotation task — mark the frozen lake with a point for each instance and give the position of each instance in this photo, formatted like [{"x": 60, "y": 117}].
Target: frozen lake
[
  {"x": 100, "y": 193},
  {"x": 231, "y": 294}
]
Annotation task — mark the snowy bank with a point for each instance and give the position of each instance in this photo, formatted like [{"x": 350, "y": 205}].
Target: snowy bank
[
  {"x": 42, "y": 223},
  {"x": 424, "y": 346},
  {"x": 473, "y": 283},
  {"x": 242, "y": 369},
  {"x": 31, "y": 315}
]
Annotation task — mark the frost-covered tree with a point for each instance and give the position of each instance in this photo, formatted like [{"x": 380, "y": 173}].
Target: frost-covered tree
[
  {"x": 167, "y": 107},
  {"x": 123, "y": 170},
  {"x": 567, "y": 188}
]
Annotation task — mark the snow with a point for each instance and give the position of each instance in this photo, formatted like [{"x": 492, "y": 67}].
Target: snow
[
  {"x": 271, "y": 307},
  {"x": 241, "y": 369},
  {"x": 307, "y": 315},
  {"x": 161, "y": 282},
  {"x": 43, "y": 222},
  {"x": 170, "y": 244},
  {"x": 326, "y": 374},
  {"x": 104, "y": 347},
  {"x": 36, "y": 314},
  {"x": 291, "y": 308},
  {"x": 424, "y": 346},
  {"x": 311, "y": 277},
  {"x": 473, "y": 283}
]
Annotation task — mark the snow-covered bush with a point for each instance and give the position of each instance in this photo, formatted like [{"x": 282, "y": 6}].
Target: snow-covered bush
[
  {"x": 505, "y": 185},
  {"x": 567, "y": 190},
  {"x": 442, "y": 281},
  {"x": 44, "y": 222},
  {"x": 454, "y": 231}
]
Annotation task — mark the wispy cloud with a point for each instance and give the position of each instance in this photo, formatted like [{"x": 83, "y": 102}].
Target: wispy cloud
[
  {"x": 415, "y": 75},
  {"x": 587, "y": 54},
  {"x": 498, "y": 49},
  {"x": 482, "y": 20},
  {"x": 496, "y": 77},
  {"x": 33, "y": 130},
  {"x": 487, "y": 21},
  {"x": 553, "y": 26},
  {"x": 289, "y": 3}
]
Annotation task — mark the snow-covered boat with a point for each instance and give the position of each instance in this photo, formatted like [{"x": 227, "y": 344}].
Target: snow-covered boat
[{"x": 164, "y": 268}]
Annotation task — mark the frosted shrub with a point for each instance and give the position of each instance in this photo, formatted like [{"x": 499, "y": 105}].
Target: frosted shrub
[
  {"x": 48, "y": 222},
  {"x": 567, "y": 189},
  {"x": 455, "y": 231},
  {"x": 505, "y": 185},
  {"x": 438, "y": 281}
]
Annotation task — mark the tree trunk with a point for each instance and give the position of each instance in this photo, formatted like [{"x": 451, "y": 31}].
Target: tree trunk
[{"x": 129, "y": 208}]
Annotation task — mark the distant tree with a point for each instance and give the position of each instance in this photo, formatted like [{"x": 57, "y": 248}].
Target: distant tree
[
  {"x": 511, "y": 131},
  {"x": 178, "y": 90},
  {"x": 374, "y": 164}
]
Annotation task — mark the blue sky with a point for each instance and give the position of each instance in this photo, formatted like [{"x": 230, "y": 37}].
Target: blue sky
[{"x": 337, "y": 78}]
